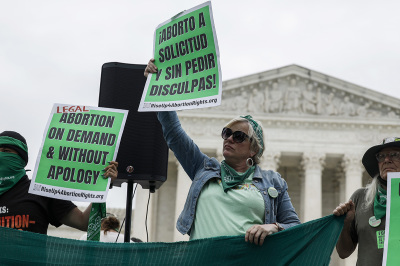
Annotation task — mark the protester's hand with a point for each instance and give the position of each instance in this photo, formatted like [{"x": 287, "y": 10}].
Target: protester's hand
[
  {"x": 257, "y": 233},
  {"x": 347, "y": 208},
  {"x": 150, "y": 68},
  {"x": 111, "y": 171}
]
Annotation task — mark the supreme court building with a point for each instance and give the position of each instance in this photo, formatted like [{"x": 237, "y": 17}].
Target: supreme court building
[{"x": 316, "y": 130}]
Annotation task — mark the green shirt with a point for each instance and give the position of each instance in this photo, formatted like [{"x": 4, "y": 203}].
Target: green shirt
[{"x": 226, "y": 214}]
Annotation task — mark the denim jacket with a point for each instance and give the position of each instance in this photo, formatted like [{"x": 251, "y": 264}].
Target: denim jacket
[{"x": 201, "y": 168}]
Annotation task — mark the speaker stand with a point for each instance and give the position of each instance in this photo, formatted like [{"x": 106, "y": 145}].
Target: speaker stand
[{"x": 128, "y": 216}]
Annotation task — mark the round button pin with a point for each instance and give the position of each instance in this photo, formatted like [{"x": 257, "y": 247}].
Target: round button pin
[
  {"x": 374, "y": 222},
  {"x": 273, "y": 193}
]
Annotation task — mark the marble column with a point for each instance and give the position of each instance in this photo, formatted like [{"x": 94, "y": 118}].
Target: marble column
[
  {"x": 353, "y": 171},
  {"x": 312, "y": 164},
  {"x": 270, "y": 160},
  {"x": 340, "y": 183},
  {"x": 183, "y": 183}
]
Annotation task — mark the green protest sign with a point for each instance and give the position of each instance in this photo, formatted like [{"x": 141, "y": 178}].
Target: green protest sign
[
  {"x": 79, "y": 142},
  {"x": 392, "y": 226},
  {"x": 187, "y": 57}
]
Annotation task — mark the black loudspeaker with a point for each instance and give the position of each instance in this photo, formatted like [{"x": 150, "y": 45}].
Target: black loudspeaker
[{"x": 143, "y": 153}]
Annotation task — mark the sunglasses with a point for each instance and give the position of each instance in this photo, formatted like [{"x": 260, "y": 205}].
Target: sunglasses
[
  {"x": 237, "y": 136},
  {"x": 394, "y": 156}
]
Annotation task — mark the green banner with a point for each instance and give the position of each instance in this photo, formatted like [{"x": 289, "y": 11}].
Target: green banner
[
  {"x": 186, "y": 55},
  {"x": 79, "y": 142},
  {"x": 392, "y": 226},
  {"x": 306, "y": 244}
]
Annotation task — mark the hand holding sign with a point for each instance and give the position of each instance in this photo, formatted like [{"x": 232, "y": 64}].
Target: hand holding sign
[
  {"x": 150, "y": 68},
  {"x": 79, "y": 146},
  {"x": 111, "y": 171},
  {"x": 188, "y": 68}
]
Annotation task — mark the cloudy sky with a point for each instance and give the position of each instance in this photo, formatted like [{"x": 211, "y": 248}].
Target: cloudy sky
[{"x": 52, "y": 51}]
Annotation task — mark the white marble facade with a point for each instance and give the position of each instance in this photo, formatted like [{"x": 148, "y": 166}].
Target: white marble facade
[{"x": 316, "y": 130}]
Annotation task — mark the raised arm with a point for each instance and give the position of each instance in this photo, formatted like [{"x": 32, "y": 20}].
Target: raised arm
[{"x": 184, "y": 148}]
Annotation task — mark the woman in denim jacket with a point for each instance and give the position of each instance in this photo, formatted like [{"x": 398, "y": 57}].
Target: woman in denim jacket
[{"x": 234, "y": 197}]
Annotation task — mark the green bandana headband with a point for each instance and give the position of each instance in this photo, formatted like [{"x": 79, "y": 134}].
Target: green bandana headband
[
  {"x": 5, "y": 140},
  {"x": 257, "y": 129},
  {"x": 18, "y": 145}
]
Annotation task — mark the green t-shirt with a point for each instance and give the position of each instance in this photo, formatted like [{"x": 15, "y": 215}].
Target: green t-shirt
[
  {"x": 370, "y": 239},
  {"x": 226, "y": 214}
]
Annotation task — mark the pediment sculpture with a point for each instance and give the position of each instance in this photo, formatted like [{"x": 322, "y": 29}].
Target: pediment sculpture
[{"x": 297, "y": 95}]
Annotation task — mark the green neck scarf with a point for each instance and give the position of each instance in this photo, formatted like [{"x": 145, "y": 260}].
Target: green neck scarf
[
  {"x": 11, "y": 170},
  {"x": 380, "y": 203},
  {"x": 231, "y": 178},
  {"x": 97, "y": 212}
]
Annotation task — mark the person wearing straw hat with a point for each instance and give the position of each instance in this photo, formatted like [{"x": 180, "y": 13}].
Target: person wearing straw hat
[
  {"x": 364, "y": 224},
  {"x": 28, "y": 212},
  {"x": 232, "y": 197}
]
